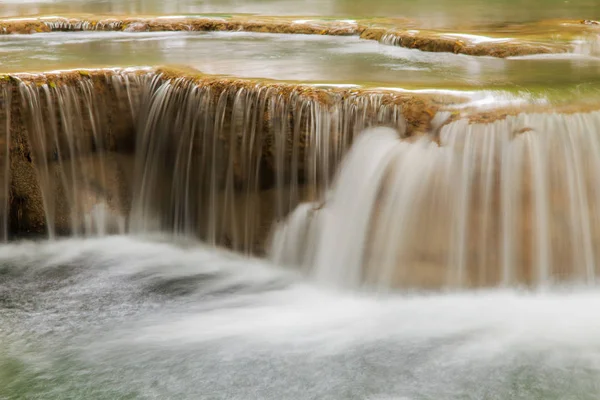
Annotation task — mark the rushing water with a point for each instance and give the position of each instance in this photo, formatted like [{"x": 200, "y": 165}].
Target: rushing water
[
  {"x": 126, "y": 317},
  {"x": 232, "y": 156},
  {"x": 451, "y": 255},
  {"x": 501, "y": 203},
  {"x": 483, "y": 202},
  {"x": 142, "y": 317}
]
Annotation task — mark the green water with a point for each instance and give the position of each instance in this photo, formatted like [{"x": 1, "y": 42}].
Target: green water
[
  {"x": 302, "y": 58},
  {"x": 434, "y": 13}
]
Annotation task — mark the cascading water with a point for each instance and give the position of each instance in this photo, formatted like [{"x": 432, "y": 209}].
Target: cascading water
[
  {"x": 76, "y": 169},
  {"x": 5, "y": 101},
  {"x": 385, "y": 172},
  {"x": 508, "y": 202},
  {"x": 221, "y": 160},
  {"x": 240, "y": 155},
  {"x": 225, "y": 161},
  {"x": 468, "y": 205}
]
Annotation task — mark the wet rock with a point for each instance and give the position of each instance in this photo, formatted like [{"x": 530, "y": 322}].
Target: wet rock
[{"x": 463, "y": 44}]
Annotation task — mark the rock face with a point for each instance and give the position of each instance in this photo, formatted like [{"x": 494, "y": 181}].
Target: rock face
[
  {"x": 179, "y": 151},
  {"x": 197, "y": 24}
]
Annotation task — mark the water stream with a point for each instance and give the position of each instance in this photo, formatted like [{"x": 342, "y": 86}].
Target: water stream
[
  {"x": 302, "y": 58},
  {"x": 287, "y": 216},
  {"x": 122, "y": 317}
]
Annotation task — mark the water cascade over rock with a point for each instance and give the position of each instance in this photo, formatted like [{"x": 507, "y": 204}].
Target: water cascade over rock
[
  {"x": 5, "y": 99},
  {"x": 445, "y": 198},
  {"x": 95, "y": 152},
  {"x": 65, "y": 139},
  {"x": 513, "y": 201},
  {"x": 243, "y": 154}
]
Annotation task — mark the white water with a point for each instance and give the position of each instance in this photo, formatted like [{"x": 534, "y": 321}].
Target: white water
[
  {"x": 150, "y": 318},
  {"x": 515, "y": 201}
]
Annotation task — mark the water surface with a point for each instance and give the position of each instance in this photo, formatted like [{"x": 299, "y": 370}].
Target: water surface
[
  {"x": 432, "y": 13},
  {"x": 122, "y": 317},
  {"x": 297, "y": 58}
]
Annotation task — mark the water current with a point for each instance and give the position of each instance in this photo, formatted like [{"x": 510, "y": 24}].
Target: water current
[
  {"x": 303, "y": 58},
  {"x": 452, "y": 256},
  {"x": 147, "y": 317}
]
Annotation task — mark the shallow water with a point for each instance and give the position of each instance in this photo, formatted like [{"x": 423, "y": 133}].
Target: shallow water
[
  {"x": 297, "y": 58},
  {"x": 144, "y": 318},
  {"x": 432, "y": 13}
]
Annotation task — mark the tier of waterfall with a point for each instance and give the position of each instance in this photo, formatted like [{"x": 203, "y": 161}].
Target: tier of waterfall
[
  {"x": 508, "y": 202},
  {"x": 435, "y": 200},
  {"x": 216, "y": 159},
  {"x": 239, "y": 152}
]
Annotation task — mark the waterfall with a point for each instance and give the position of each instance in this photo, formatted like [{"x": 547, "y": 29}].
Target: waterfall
[
  {"x": 224, "y": 161},
  {"x": 137, "y": 151},
  {"x": 513, "y": 201},
  {"x": 5, "y": 101},
  {"x": 64, "y": 173},
  {"x": 438, "y": 199}
]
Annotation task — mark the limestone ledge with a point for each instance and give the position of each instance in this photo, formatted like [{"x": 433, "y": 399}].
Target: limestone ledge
[
  {"x": 472, "y": 45},
  {"x": 539, "y": 38},
  {"x": 418, "y": 106},
  {"x": 195, "y": 24},
  {"x": 53, "y": 184},
  {"x": 478, "y": 116},
  {"x": 48, "y": 187}
]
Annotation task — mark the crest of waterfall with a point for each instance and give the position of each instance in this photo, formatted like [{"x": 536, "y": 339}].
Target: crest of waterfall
[
  {"x": 515, "y": 201},
  {"x": 221, "y": 160}
]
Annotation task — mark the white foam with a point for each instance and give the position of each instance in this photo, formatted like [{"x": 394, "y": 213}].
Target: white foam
[{"x": 476, "y": 39}]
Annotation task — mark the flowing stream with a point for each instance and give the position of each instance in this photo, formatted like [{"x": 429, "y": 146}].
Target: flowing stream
[
  {"x": 189, "y": 214},
  {"x": 126, "y": 317}
]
